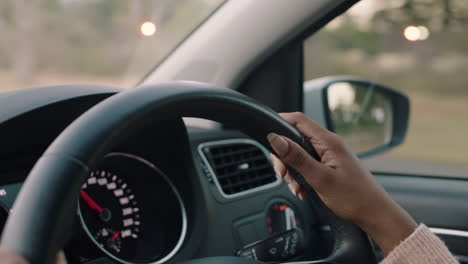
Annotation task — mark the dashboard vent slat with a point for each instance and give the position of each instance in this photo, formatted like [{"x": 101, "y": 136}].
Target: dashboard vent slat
[{"x": 239, "y": 166}]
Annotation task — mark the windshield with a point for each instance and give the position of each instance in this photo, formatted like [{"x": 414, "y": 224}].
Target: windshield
[{"x": 112, "y": 42}]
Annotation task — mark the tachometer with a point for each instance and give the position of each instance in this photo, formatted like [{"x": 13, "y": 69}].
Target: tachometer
[{"x": 111, "y": 213}]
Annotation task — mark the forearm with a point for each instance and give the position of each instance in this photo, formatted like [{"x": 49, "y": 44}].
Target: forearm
[{"x": 421, "y": 247}]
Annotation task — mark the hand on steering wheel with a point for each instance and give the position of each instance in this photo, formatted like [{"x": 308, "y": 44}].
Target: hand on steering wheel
[{"x": 343, "y": 184}]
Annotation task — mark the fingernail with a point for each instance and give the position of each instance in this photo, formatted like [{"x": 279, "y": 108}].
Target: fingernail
[
  {"x": 301, "y": 196},
  {"x": 272, "y": 159},
  {"x": 288, "y": 178},
  {"x": 278, "y": 143},
  {"x": 291, "y": 188}
]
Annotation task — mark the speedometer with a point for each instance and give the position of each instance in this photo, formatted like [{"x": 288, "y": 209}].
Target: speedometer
[
  {"x": 111, "y": 213},
  {"x": 132, "y": 211}
]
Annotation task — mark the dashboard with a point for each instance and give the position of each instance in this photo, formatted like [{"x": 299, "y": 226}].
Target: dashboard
[{"x": 168, "y": 193}]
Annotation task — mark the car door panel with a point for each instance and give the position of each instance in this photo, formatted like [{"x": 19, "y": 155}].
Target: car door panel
[{"x": 440, "y": 203}]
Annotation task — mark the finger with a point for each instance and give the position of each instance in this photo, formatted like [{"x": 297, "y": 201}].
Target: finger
[
  {"x": 293, "y": 185},
  {"x": 293, "y": 155},
  {"x": 320, "y": 138},
  {"x": 288, "y": 178},
  {"x": 297, "y": 190},
  {"x": 302, "y": 194},
  {"x": 293, "y": 190},
  {"x": 281, "y": 170},
  {"x": 305, "y": 125},
  {"x": 278, "y": 166},
  {"x": 297, "y": 158},
  {"x": 60, "y": 259}
]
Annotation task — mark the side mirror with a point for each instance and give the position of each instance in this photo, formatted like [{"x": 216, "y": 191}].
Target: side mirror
[{"x": 370, "y": 117}]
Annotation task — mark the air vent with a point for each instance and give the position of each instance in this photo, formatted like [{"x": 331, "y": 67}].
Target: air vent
[{"x": 239, "y": 166}]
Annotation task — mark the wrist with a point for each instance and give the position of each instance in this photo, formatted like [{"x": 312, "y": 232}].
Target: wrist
[{"x": 389, "y": 227}]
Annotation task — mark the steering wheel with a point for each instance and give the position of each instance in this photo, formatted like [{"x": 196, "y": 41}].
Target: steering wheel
[{"x": 45, "y": 208}]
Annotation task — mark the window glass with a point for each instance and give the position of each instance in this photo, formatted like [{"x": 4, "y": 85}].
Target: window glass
[
  {"x": 421, "y": 48},
  {"x": 112, "y": 42}
]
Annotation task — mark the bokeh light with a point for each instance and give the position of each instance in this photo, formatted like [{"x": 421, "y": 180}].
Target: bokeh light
[
  {"x": 148, "y": 29},
  {"x": 423, "y": 32},
  {"x": 415, "y": 33},
  {"x": 412, "y": 33}
]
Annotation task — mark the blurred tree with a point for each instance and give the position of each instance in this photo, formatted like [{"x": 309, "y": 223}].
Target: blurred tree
[
  {"x": 49, "y": 34},
  {"x": 19, "y": 24},
  {"x": 438, "y": 14}
]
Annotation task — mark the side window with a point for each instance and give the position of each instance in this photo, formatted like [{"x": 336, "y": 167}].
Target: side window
[{"x": 421, "y": 48}]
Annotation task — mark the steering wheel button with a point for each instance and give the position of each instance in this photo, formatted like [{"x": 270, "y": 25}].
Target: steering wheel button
[{"x": 280, "y": 247}]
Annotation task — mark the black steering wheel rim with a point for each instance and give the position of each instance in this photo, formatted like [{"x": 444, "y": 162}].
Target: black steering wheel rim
[{"x": 46, "y": 205}]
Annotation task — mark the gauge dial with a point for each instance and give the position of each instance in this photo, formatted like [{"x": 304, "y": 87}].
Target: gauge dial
[
  {"x": 110, "y": 238},
  {"x": 111, "y": 212},
  {"x": 132, "y": 211},
  {"x": 281, "y": 217}
]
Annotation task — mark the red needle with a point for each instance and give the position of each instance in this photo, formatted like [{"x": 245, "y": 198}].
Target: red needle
[
  {"x": 90, "y": 201},
  {"x": 115, "y": 235}
]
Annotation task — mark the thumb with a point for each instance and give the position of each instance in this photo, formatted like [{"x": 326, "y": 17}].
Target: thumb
[{"x": 292, "y": 154}]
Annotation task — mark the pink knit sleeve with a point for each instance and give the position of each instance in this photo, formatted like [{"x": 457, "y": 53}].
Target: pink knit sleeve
[{"x": 421, "y": 247}]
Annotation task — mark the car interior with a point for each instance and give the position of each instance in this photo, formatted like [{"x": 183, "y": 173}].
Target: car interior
[{"x": 178, "y": 170}]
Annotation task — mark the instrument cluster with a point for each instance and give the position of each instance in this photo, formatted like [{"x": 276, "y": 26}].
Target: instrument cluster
[{"x": 132, "y": 211}]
